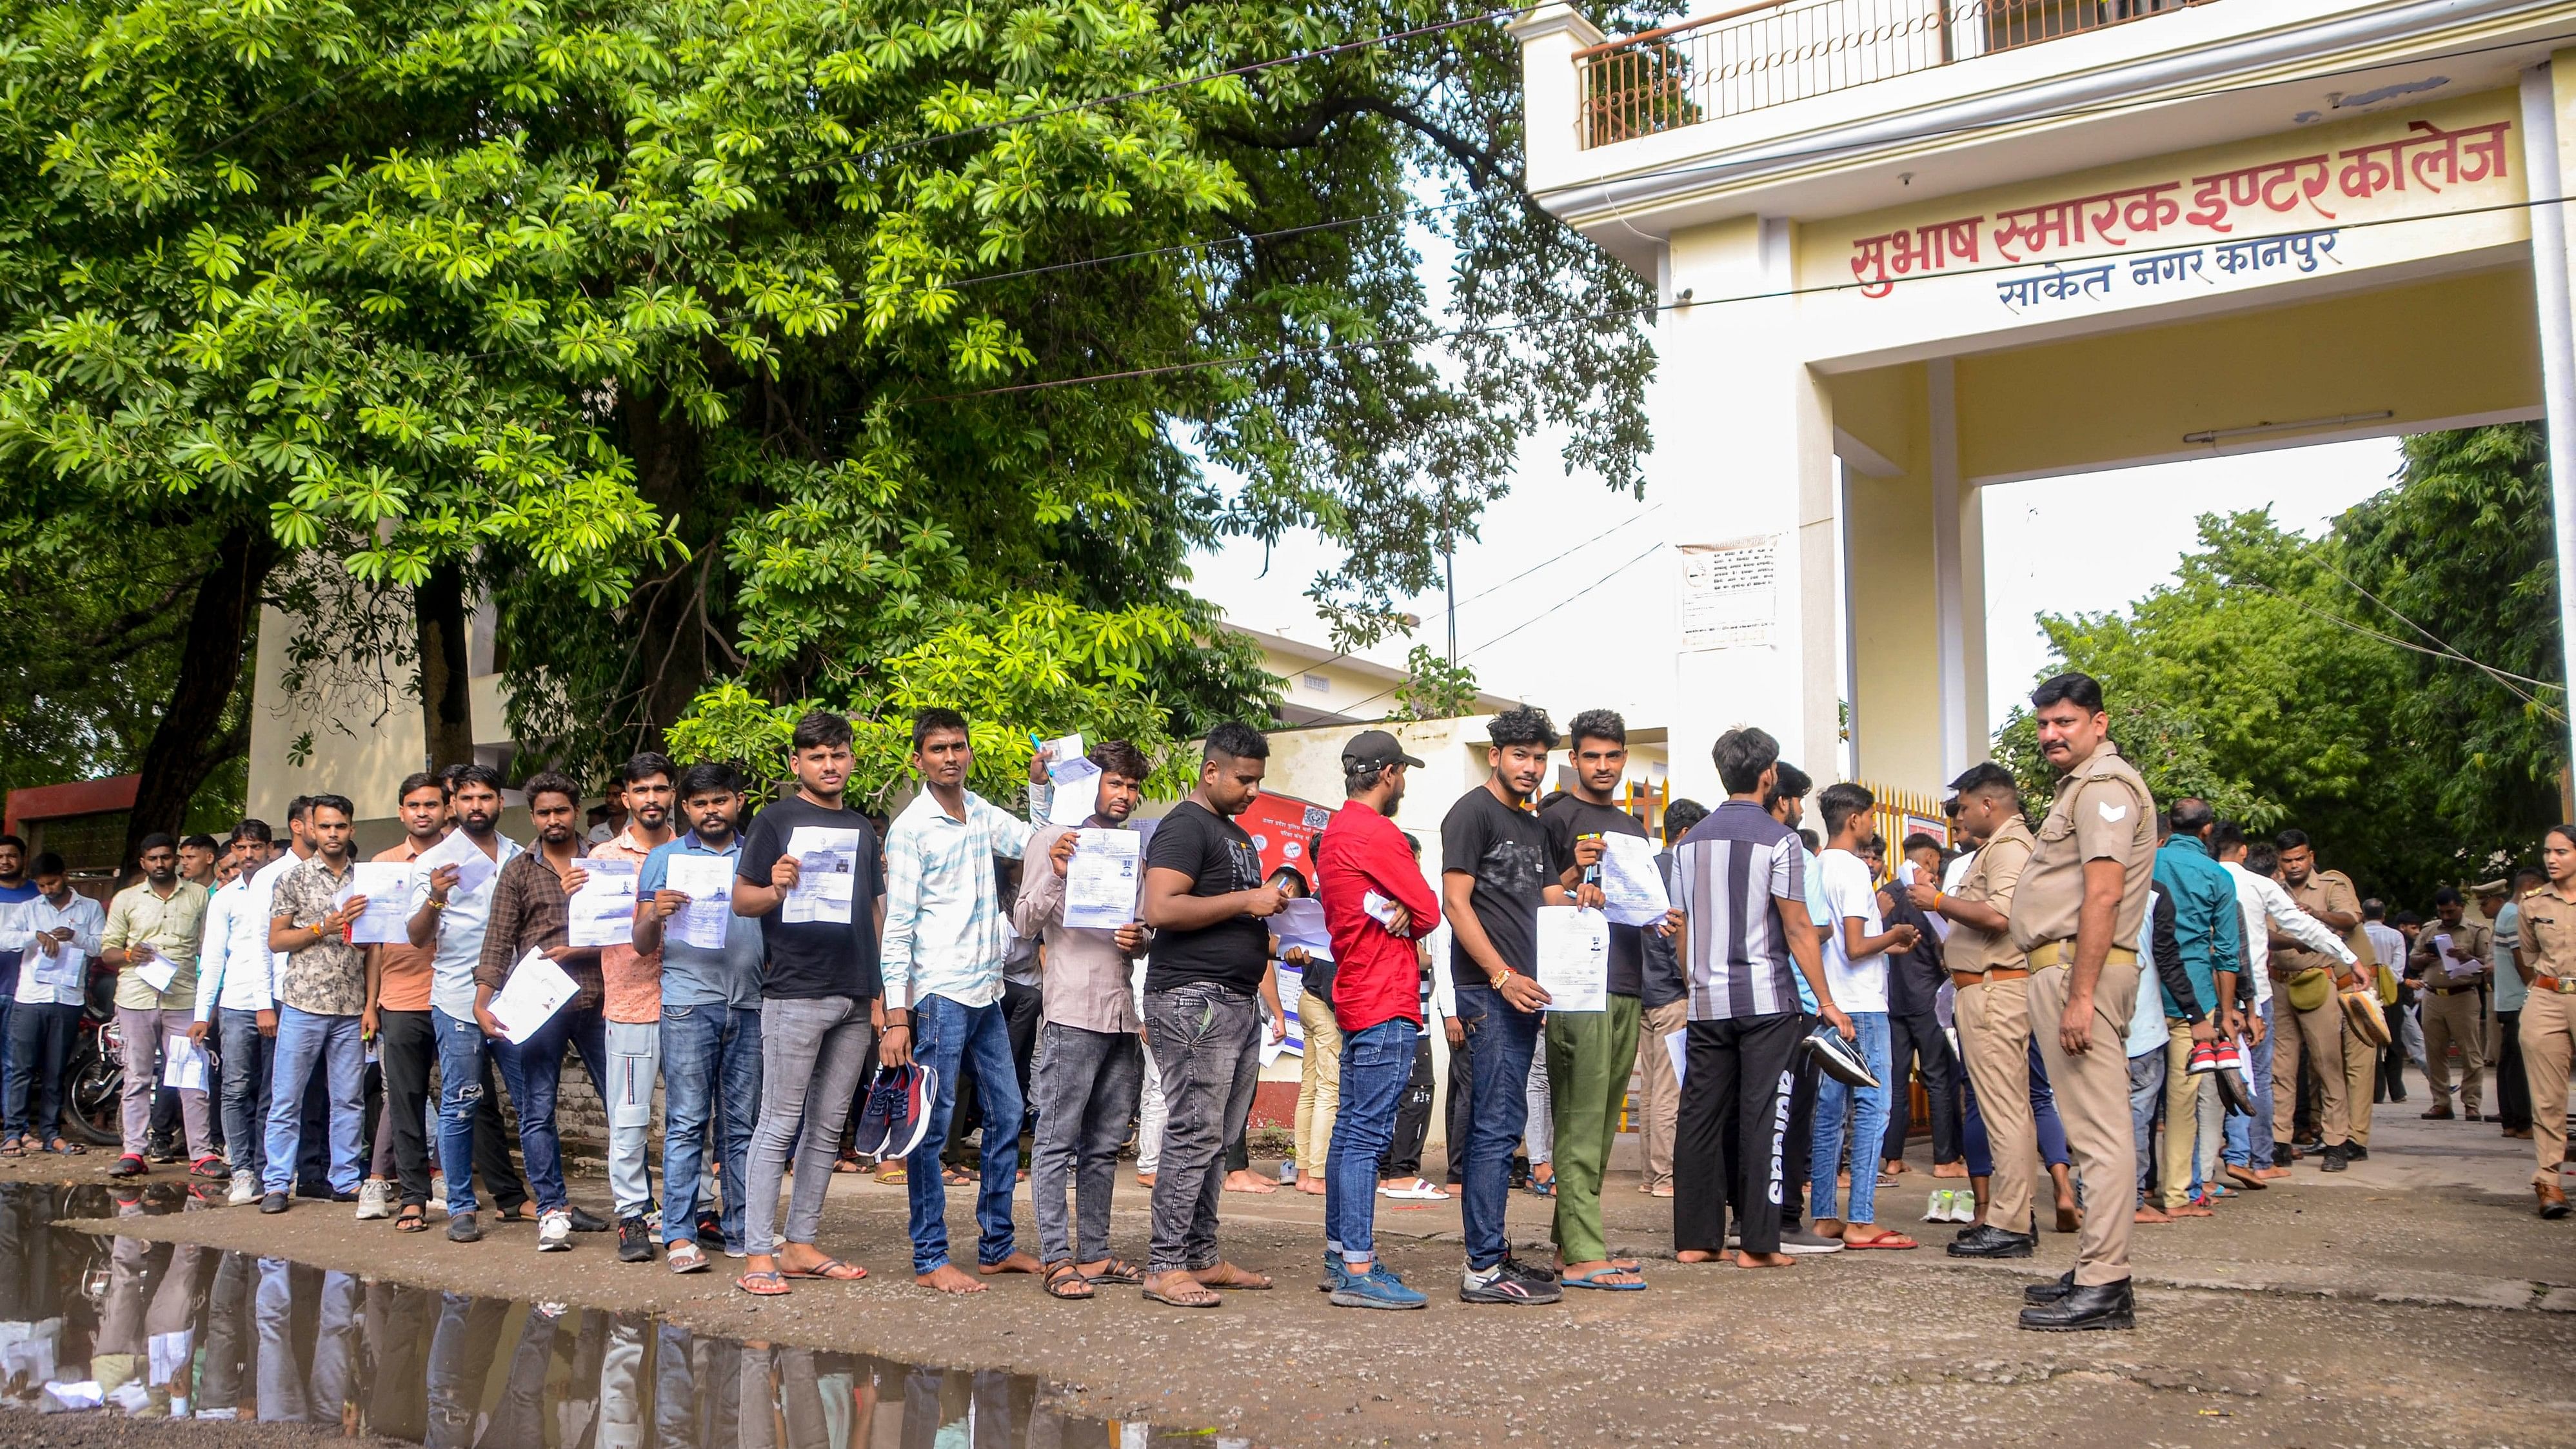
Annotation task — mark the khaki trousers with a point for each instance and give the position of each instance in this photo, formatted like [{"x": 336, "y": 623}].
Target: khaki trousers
[
  {"x": 2093, "y": 1099},
  {"x": 1660, "y": 1098},
  {"x": 1319, "y": 1084},
  {"x": 2297, "y": 1035},
  {"x": 2548, "y": 1034},
  {"x": 2450, "y": 1019},
  {"x": 2182, "y": 1115},
  {"x": 2360, "y": 1078},
  {"x": 1994, "y": 1037}
]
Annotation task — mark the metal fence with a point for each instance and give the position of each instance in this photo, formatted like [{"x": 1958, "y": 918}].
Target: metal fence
[{"x": 1779, "y": 51}]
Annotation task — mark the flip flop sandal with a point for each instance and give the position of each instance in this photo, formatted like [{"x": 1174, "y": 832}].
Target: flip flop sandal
[
  {"x": 846, "y": 1164},
  {"x": 763, "y": 1285},
  {"x": 1119, "y": 1271},
  {"x": 1246, "y": 1281},
  {"x": 412, "y": 1219},
  {"x": 1182, "y": 1299},
  {"x": 687, "y": 1257},
  {"x": 67, "y": 1149},
  {"x": 892, "y": 1175},
  {"x": 1418, "y": 1190},
  {"x": 1883, "y": 1240},
  {"x": 956, "y": 1177},
  {"x": 1065, "y": 1281},
  {"x": 1593, "y": 1280},
  {"x": 14, "y": 1147},
  {"x": 830, "y": 1270}
]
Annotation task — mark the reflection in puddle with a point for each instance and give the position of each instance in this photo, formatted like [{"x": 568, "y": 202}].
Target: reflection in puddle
[{"x": 178, "y": 1331}]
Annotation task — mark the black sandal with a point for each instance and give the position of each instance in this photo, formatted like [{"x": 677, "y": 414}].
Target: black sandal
[
  {"x": 1064, "y": 1280},
  {"x": 413, "y": 1218},
  {"x": 1119, "y": 1270}
]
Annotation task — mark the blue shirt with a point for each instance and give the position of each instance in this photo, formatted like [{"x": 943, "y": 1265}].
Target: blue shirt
[
  {"x": 2206, "y": 920},
  {"x": 694, "y": 975},
  {"x": 10, "y": 895}
]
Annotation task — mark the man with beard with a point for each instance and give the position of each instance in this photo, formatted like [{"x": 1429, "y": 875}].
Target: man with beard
[
  {"x": 455, "y": 920},
  {"x": 531, "y": 913},
  {"x": 398, "y": 988},
  {"x": 633, "y": 1006},
  {"x": 154, "y": 929},
  {"x": 321, "y": 1001},
  {"x": 234, "y": 974}
]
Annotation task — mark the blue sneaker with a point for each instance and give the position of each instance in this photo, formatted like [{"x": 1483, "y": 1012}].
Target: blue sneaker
[
  {"x": 1336, "y": 1272},
  {"x": 1379, "y": 1289},
  {"x": 876, "y": 1118}
]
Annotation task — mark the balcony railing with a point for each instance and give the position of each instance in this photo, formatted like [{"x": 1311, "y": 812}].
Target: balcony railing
[{"x": 1787, "y": 50}]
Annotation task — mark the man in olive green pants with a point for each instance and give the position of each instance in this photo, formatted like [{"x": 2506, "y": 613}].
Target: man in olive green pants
[{"x": 1589, "y": 1057}]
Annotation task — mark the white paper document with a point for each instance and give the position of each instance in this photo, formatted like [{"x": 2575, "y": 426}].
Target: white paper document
[
  {"x": 1077, "y": 791},
  {"x": 536, "y": 990},
  {"x": 707, "y": 880},
  {"x": 183, "y": 1064},
  {"x": 602, "y": 912},
  {"x": 1302, "y": 924},
  {"x": 1574, "y": 958},
  {"x": 1632, "y": 889},
  {"x": 387, "y": 886},
  {"x": 1100, "y": 881},
  {"x": 152, "y": 968},
  {"x": 474, "y": 869},
  {"x": 67, "y": 966},
  {"x": 827, "y": 864}
]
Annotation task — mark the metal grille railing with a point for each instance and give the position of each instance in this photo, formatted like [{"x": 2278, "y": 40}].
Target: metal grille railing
[{"x": 1779, "y": 51}]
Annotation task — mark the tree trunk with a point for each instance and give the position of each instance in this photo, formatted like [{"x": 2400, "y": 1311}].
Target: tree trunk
[
  {"x": 446, "y": 706},
  {"x": 191, "y": 739},
  {"x": 667, "y": 619}
]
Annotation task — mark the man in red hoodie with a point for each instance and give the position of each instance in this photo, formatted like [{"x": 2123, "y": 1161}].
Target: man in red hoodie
[{"x": 1376, "y": 904}]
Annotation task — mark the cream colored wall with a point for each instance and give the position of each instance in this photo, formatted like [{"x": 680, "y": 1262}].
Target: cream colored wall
[
  {"x": 2441, "y": 351},
  {"x": 364, "y": 742},
  {"x": 1347, "y": 691},
  {"x": 1895, "y": 642}
]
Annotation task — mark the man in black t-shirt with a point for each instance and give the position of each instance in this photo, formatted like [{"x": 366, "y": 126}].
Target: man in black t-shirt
[
  {"x": 1496, "y": 871},
  {"x": 1204, "y": 896},
  {"x": 1590, "y": 1053},
  {"x": 819, "y": 990}
]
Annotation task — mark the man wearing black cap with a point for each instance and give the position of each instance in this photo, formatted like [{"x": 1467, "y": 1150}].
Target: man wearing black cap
[{"x": 1376, "y": 905}]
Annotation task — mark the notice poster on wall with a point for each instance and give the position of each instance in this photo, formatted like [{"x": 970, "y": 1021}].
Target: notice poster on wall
[{"x": 1730, "y": 593}]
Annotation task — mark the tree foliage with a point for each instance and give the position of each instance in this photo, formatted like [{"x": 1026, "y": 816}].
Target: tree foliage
[
  {"x": 2334, "y": 685},
  {"x": 715, "y": 339}
]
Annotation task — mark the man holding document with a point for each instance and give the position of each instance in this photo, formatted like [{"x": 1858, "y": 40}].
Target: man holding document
[
  {"x": 710, "y": 1010},
  {"x": 1590, "y": 1053},
  {"x": 154, "y": 928},
  {"x": 536, "y": 993},
  {"x": 1082, "y": 904},
  {"x": 451, "y": 902},
  {"x": 809, "y": 874},
  {"x": 399, "y": 976},
  {"x": 604, "y": 914},
  {"x": 321, "y": 999}
]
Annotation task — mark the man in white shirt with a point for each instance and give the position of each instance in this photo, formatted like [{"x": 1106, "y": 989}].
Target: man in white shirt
[
  {"x": 452, "y": 918},
  {"x": 233, "y": 977},
  {"x": 1856, "y": 947},
  {"x": 55, "y": 935},
  {"x": 250, "y": 944},
  {"x": 2266, "y": 908}
]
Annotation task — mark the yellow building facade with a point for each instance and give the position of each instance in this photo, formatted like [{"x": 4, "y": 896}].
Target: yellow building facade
[{"x": 1906, "y": 250}]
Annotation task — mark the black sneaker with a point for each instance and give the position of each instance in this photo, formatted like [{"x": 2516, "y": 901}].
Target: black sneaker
[
  {"x": 2355, "y": 1152},
  {"x": 2280, "y": 1154},
  {"x": 275, "y": 1202},
  {"x": 1528, "y": 1272},
  {"x": 1500, "y": 1284},
  {"x": 634, "y": 1241},
  {"x": 1988, "y": 1241},
  {"x": 586, "y": 1221},
  {"x": 461, "y": 1228}
]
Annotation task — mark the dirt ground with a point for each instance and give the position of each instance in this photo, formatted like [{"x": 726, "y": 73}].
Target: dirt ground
[{"x": 2412, "y": 1300}]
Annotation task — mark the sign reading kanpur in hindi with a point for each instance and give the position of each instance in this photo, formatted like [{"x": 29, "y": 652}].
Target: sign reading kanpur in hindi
[{"x": 2426, "y": 160}]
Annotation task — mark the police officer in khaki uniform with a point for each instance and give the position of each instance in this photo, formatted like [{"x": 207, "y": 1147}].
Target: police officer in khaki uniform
[
  {"x": 2085, "y": 889},
  {"x": 1993, "y": 1011},
  {"x": 2449, "y": 966},
  {"x": 2311, "y": 1022},
  {"x": 2545, "y": 949}
]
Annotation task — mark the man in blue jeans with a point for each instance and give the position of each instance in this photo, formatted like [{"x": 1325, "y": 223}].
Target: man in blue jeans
[
  {"x": 453, "y": 915},
  {"x": 710, "y": 1016},
  {"x": 944, "y": 939},
  {"x": 1497, "y": 871},
  {"x": 1376, "y": 904},
  {"x": 1856, "y": 950},
  {"x": 321, "y": 995}
]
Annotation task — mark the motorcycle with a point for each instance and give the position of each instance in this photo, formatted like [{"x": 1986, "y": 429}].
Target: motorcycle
[{"x": 94, "y": 1111}]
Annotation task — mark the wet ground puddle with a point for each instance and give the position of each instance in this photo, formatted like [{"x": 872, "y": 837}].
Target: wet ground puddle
[{"x": 179, "y": 1331}]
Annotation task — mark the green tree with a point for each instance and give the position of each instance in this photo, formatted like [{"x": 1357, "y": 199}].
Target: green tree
[{"x": 1434, "y": 688}]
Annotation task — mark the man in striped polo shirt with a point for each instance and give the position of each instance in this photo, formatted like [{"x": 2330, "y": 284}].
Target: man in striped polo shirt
[{"x": 1747, "y": 940}]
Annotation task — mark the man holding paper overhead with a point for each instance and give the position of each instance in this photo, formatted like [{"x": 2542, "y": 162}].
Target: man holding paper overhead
[
  {"x": 1090, "y": 1061},
  {"x": 1590, "y": 1053},
  {"x": 153, "y": 931},
  {"x": 321, "y": 997},
  {"x": 710, "y": 1011},
  {"x": 529, "y": 931}
]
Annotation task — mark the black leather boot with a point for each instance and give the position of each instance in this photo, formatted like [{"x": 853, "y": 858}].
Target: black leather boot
[
  {"x": 2085, "y": 1306},
  {"x": 2050, "y": 1292},
  {"x": 1988, "y": 1241}
]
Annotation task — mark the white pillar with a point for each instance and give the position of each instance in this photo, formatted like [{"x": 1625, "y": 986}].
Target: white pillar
[
  {"x": 2545, "y": 171},
  {"x": 1747, "y": 440},
  {"x": 1551, "y": 87}
]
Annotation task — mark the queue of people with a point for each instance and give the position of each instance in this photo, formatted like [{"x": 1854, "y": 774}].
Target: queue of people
[{"x": 2136, "y": 999}]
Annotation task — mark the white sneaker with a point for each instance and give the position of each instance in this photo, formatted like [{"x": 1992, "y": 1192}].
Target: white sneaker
[
  {"x": 375, "y": 1199},
  {"x": 245, "y": 1190},
  {"x": 554, "y": 1232},
  {"x": 1963, "y": 1205},
  {"x": 1938, "y": 1209}
]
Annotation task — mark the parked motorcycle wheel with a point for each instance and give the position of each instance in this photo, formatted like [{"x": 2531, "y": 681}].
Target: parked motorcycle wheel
[{"x": 95, "y": 1113}]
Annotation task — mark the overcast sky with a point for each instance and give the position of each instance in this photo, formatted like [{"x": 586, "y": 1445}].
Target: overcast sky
[{"x": 1608, "y": 647}]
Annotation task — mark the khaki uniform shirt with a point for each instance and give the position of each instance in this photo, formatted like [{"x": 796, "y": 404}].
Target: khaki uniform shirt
[
  {"x": 2427, "y": 960},
  {"x": 2324, "y": 890},
  {"x": 174, "y": 928},
  {"x": 1991, "y": 879},
  {"x": 2102, "y": 812},
  {"x": 2547, "y": 943}
]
